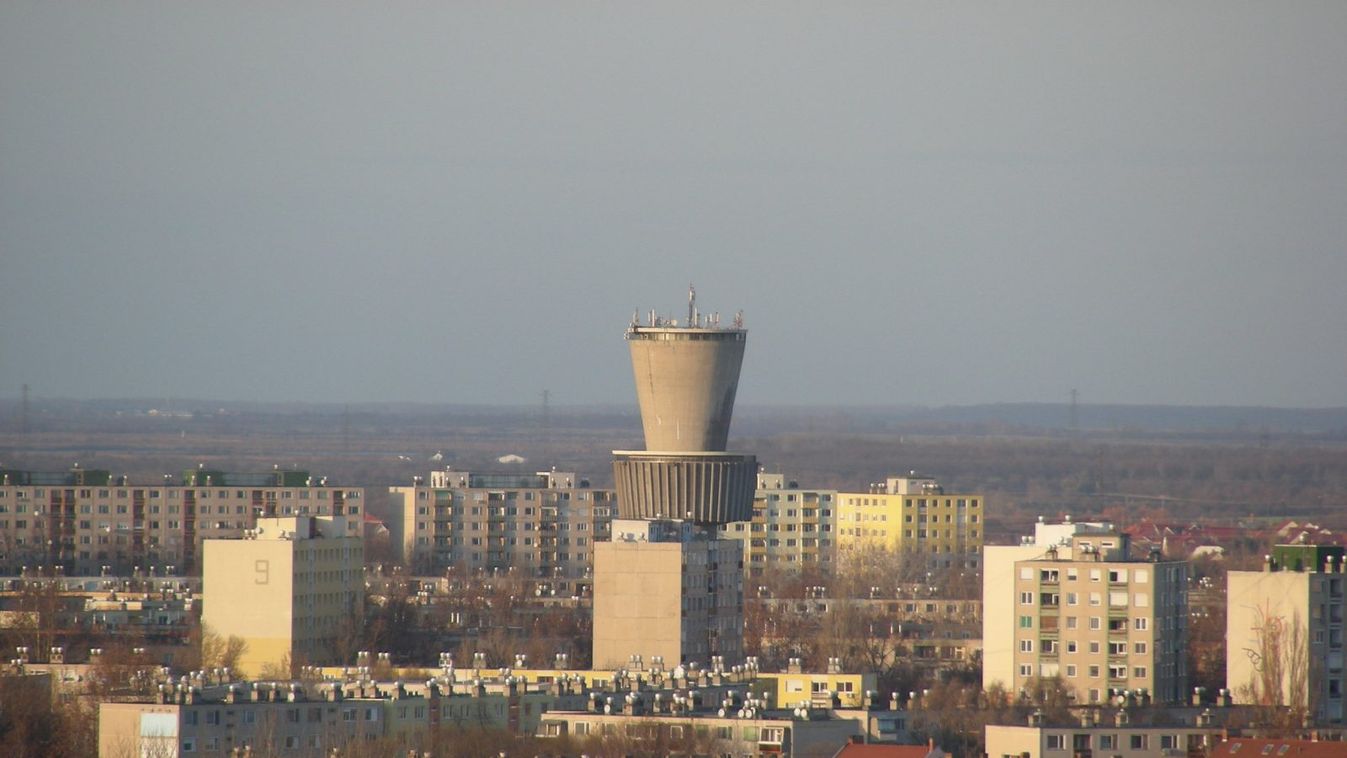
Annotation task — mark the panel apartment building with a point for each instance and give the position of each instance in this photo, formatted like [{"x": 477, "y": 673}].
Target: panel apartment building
[
  {"x": 89, "y": 522},
  {"x": 792, "y": 528},
  {"x": 289, "y": 589},
  {"x": 543, "y": 525},
  {"x": 1089, "y": 614},
  {"x": 914, "y": 514},
  {"x": 1284, "y": 631}
]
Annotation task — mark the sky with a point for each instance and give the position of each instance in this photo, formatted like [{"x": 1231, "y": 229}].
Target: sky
[{"x": 912, "y": 203}]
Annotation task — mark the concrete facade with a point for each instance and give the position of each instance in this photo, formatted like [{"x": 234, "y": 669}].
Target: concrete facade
[
  {"x": 1113, "y": 736},
  {"x": 314, "y": 720},
  {"x": 998, "y": 591},
  {"x": 88, "y": 521},
  {"x": 544, "y": 525},
  {"x": 686, "y": 379},
  {"x": 767, "y": 734},
  {"x": 1093, "y": 617},
  {"x": 1286, "y": 626},
  {"x": 663, "y": 589},
  {"x": 289, "y": 589},
  {"x": 792, "y": 528},
  {"x": 913, "y": 514}
]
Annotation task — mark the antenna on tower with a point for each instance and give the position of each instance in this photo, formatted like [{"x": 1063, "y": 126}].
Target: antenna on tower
[{"x": 692, "y": 305}]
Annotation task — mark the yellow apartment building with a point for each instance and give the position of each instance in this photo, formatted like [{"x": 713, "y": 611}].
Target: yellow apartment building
[
  {"x": 914, "y": 514},
  {"x": 289, "y": 588}
]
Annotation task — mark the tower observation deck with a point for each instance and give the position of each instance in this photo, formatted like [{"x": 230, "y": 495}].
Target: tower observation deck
[{"x": 686, "y": 377}]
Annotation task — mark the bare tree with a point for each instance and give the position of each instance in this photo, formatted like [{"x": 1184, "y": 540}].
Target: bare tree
[{"x": 1281, "y": 664}]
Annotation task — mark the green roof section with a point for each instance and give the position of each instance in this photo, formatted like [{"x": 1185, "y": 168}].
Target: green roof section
[{"x": 1305, "y": 557}]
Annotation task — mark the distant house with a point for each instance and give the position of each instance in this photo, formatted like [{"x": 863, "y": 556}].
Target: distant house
[{"x": 1308, "y": 533}]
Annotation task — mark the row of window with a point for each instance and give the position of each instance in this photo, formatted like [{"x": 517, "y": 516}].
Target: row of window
[
  {"x": 1081, "y": 742},
  {"x": 84, "y": 494},
  {"x": 1116, "y": 672},
  {"x": 1140, "y": 623}
]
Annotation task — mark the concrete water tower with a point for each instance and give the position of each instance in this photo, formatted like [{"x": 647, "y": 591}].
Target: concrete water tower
[
  {"x": 665, "y": 588},
  {"x": 686, "y": 377}
]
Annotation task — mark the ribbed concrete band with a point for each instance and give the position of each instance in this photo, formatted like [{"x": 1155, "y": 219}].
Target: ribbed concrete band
[{"x": 705, "y": 488}]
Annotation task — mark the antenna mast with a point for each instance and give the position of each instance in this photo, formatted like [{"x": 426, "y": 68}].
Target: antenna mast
[
  {"x": 23, "y": 412},
  {"x": 692, "y": 305}
]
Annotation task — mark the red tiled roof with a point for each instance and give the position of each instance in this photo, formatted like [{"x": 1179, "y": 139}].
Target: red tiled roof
[
  {"x": 1247, "y": 747},
  {"x": 883, "y": 751}
]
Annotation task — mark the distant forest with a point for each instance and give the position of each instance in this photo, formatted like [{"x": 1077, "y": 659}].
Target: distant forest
[{"x": 1213, "y": 465}]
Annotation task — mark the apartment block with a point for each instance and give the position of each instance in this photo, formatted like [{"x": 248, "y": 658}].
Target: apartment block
[
  {"x": 1098, "y": 619},
  {"x": 663, "y": 588},
  {"x": 290, "y": 588},
  {"x": 760, "y": 734},
  {"x": 1284, "y": 631},
  {"x": 1115, "y": 733},
  {"x": 913, "y": 514},
  {"x": 88, "y": 522},
  {"x": 998, "y": 589},
  {"x": 792, "y": 528},
  {"x": 544, "y": 525},
  {"x": 313, "y": 719}
]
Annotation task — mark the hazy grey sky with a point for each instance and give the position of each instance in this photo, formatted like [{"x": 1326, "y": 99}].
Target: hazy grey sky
[{"x": 464, "y": 202}]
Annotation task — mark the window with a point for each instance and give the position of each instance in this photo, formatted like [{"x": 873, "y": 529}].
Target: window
[
  {"x": 1139, "y": 672},
  {"x": 1056, "y": 742},
  {"x": 1139, "y": 648},
  {"x": 1026, "y": 646},
  {"x": 1071, "y": 670},
  {"x": 1026, "y": 622},
  {"x": 1070, "y": 646},
  {"x": 1026, "y": 670},
  {"x": 1140, "y": 624},
  {"x": 1026, "y": 598},
  {"x": 1139, "y": 742}
]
